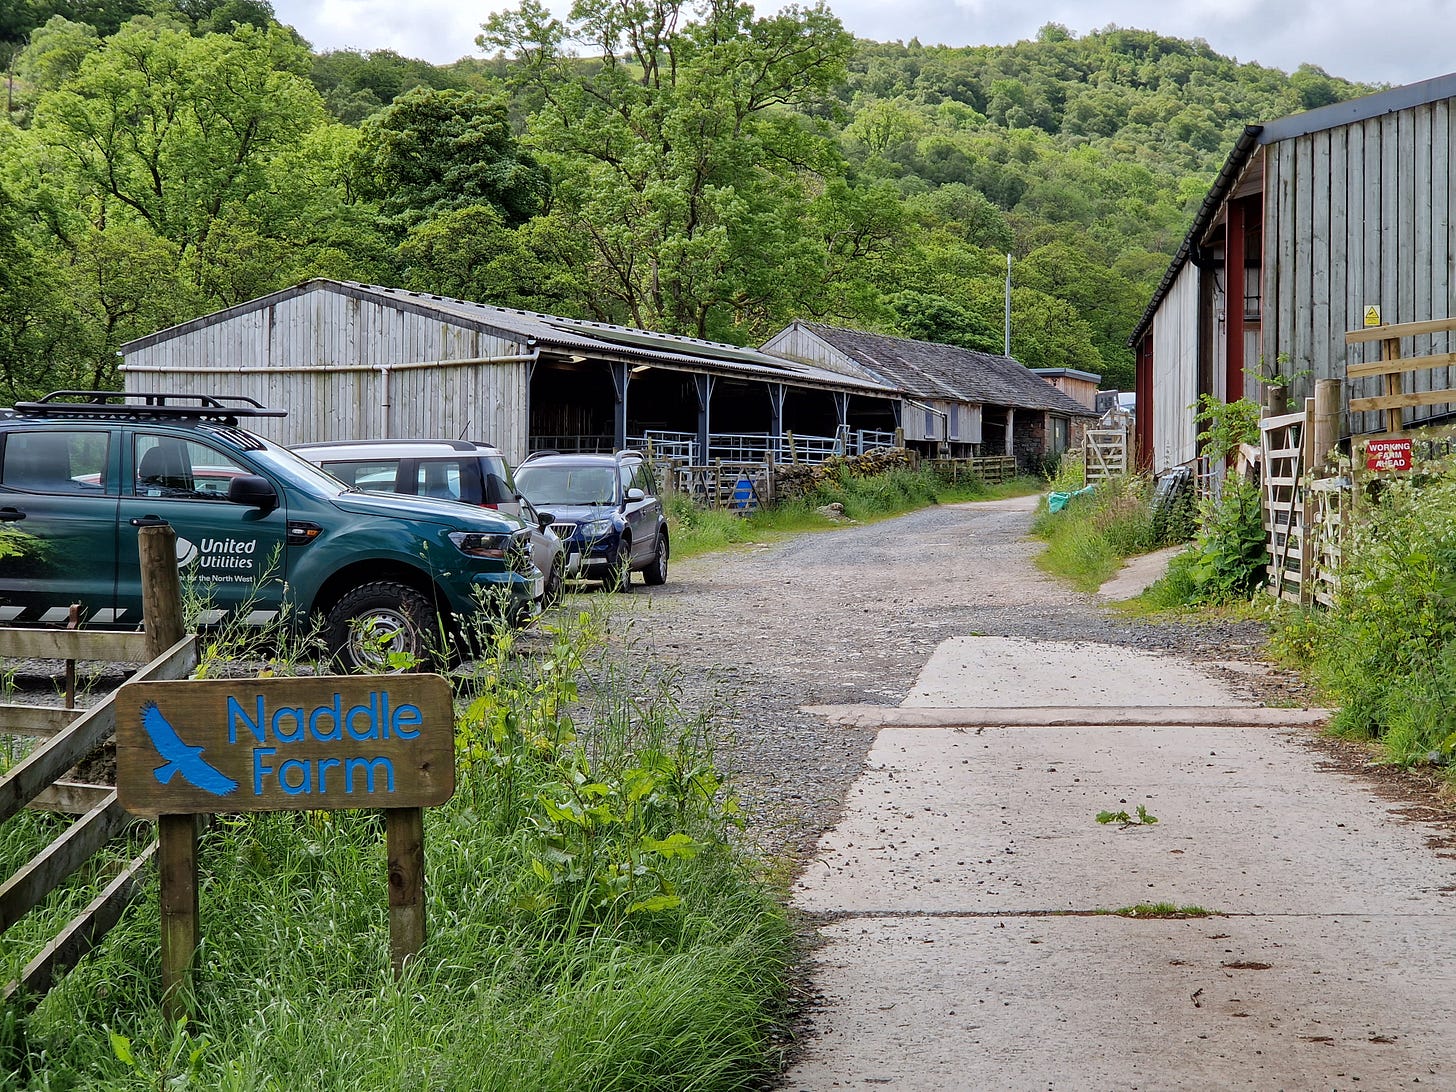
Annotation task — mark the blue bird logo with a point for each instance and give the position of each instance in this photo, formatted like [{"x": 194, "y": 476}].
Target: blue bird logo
[{"x": 182, "y": 757}]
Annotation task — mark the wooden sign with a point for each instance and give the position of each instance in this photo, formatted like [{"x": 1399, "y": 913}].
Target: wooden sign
[
  {"x": 1392, "y": 454},
  {"x": 320, "y": 743}
]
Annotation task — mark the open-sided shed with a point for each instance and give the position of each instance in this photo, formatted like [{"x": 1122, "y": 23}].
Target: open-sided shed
[
  {"x": 957, "y": 400},
  {"x": 354, "y": 361}
]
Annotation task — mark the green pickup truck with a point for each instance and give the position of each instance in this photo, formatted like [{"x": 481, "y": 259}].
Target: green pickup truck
[{"x": 262, "y": 535}]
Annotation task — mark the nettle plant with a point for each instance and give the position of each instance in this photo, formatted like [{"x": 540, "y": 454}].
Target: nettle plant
[{"x": 612, "y": 805}]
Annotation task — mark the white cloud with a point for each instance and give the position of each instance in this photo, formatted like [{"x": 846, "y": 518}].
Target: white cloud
[{"x": 1392, "y": 43}]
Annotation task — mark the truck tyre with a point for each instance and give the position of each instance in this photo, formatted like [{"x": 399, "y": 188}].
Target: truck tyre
[
  {"x": 656, "y": 571},
  {"x": 373, "y": 621},
  {"x": 619, "y": 572}
]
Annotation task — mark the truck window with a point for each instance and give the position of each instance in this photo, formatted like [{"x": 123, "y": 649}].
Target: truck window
[
  {"x": 169, "y": 466},
  {"x": 55, "y": 462}
]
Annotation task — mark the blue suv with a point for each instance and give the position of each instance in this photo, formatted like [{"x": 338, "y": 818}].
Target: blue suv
[{"x": 607, "y": 514}]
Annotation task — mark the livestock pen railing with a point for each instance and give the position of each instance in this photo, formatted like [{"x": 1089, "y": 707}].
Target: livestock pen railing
[
  {"x": 758, "y": 447},
  {"x": 59, "y": 739}
]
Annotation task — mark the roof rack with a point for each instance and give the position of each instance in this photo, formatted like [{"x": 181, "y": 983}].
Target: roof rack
[
  {"x": 201, "y": 407},
  {"x": 453, "y": 445}
]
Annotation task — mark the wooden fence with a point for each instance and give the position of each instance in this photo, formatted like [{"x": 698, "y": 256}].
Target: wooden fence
[
  {"x": 63, "y": 738},
  {"x": 988, "y": 468},
  {"x": 739, "y": 487},
  {"x": 1306, "y": 511}
]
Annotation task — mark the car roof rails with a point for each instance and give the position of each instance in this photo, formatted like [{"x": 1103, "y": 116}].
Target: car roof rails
[
  {"x": 543, "y": 453},
  {"x": 453, "y": 445},
  {"x": 197, "y": 407}
]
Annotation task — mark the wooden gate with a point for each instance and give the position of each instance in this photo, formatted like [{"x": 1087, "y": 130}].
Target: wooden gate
[
  {"x": 1104, "y": 454},
  {"x": 1281, "y": 442}
]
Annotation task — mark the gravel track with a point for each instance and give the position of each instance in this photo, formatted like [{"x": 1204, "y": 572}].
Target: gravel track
[{"x": 850, "y": 616}]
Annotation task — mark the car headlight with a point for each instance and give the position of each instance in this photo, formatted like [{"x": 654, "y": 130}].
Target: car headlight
[
  {"x": 597, "y": 528},
  {"x": 476, "y": 544}
]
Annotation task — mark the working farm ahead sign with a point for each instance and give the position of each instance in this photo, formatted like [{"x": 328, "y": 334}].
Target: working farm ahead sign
[
  {"x": 329, "y": 742},
  {"x": 1391, "y": 454}
]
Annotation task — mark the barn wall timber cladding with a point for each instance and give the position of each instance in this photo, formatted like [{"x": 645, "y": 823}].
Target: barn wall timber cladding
[
  {"x": 1175, "y": 349},
  {"x": 1359, "y": 215},
  {"x": 347, "y": 368}
]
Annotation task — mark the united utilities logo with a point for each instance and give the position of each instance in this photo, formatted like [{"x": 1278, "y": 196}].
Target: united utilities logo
[{"x": 182, "y": 757}]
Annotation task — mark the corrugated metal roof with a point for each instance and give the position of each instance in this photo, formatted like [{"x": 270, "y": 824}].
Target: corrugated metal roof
[
  {"x": 602, "y": 340},
  {"x": 926, "y": 369}
]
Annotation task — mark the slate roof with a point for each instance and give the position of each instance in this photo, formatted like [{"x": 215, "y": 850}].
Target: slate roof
[{"x": 948, "y": 373}]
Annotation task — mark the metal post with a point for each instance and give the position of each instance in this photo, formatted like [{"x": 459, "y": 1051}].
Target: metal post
[{"x": 1008, "y": 305}]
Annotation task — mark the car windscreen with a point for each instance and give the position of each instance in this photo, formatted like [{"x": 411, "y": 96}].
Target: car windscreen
[
  {"x": 297, "y": 470},
  {"x": 547, "y": 485}
]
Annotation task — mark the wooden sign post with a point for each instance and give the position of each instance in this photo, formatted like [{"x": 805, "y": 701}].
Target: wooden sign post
[{"x": 321, "y": 743}]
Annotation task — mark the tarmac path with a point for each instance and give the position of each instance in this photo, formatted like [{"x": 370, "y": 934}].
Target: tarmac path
[{"x": 981, "y": 929}]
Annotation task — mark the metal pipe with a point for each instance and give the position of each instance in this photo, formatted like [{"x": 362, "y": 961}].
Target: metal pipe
[{"x": 521, "y": 358}]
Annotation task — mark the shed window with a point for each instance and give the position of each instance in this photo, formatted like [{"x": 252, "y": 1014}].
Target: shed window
[
  {"x": 930, "y": 424},
  {"x": 1061, "y": 435}
]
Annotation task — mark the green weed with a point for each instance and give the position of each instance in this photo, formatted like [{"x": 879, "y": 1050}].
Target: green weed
[
  {"x": 1124, "y": 820},
  {"x": 1161, "y": 910},
  {"x": 1088, "y": 540}
]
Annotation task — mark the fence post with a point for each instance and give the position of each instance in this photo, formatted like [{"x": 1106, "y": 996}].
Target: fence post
[
  {"x": 176, "y": 834},
  {"x": 1328, "y": 397},
  {"x": 1276, "y": 401},
  {"x": 1306, "y": 538}
]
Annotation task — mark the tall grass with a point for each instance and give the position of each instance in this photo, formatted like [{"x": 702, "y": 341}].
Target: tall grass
[
  {"x": 591, "y": 923},
  {"x": 1089, "y": 538},
  {"x": 1386, "y": 652}
]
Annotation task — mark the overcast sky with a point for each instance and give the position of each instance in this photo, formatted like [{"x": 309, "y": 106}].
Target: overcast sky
[{"x": 1393, "y": 42}]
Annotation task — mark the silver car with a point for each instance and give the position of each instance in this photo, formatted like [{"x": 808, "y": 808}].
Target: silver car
[{"x": 459, "y": 470}]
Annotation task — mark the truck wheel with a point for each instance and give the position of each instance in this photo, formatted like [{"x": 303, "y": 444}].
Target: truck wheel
[
  {"x": 656, "y": 571},
  {"x": 619, "y": 573},
  {"x": 374, "y": 622}
]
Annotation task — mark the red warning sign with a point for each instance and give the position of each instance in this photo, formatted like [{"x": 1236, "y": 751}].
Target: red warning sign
[{"x": 1388, "y": 454}]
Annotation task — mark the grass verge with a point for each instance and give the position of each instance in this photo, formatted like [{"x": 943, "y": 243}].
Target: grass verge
[
  {"x": 591, "y": 923},
  {"x": 697, "y": 530},
  {"x": 1087, "y": 540}
]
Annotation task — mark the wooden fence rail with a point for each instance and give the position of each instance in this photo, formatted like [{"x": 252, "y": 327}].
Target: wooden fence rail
[
  {"x": 989, "y": 468},
  {"x": 66, "y": 737}
]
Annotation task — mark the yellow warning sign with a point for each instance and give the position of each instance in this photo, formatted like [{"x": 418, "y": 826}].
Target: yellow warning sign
[{"x": 1372, "y": 316}]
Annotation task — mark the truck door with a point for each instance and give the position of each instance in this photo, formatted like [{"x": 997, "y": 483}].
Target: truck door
[
  {"x": 231, "y": 556},
  {"x": 58, "y": 539}
]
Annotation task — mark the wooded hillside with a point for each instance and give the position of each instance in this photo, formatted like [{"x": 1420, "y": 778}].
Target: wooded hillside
[{"x": 715, "y": 177}]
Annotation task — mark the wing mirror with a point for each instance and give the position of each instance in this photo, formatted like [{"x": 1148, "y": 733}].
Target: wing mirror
[{"x": 254, "y": 491}]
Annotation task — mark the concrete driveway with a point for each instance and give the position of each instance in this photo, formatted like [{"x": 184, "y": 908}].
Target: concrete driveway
[{"x": 982, "y": 930}]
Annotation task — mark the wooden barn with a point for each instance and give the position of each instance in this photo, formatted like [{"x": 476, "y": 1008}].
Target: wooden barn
[
  {"x": 354, "y": 361},
  {"x": 956, "y": 401},
  {"x": 1314, "y": 219}
]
